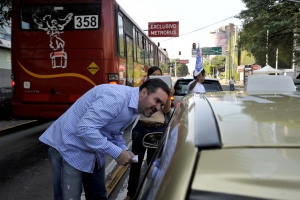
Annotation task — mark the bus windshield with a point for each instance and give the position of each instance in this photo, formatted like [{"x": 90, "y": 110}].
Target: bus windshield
[{"x": 82, "y": 16}]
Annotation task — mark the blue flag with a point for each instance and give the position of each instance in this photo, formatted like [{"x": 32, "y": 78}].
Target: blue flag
[{"x": 198, "y": 67}]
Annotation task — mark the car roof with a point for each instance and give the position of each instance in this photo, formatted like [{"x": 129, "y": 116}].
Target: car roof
[
  {"x": 233, "y": 145},
  {"x": 266, "y": 84},
  {"x": 257, "y": 148},
  {"x": 261, "y": 120}
]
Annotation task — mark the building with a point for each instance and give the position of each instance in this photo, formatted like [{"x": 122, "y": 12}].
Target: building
[{"x": 5, "y": 57}]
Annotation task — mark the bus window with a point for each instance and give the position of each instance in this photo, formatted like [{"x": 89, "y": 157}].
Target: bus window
[
  {"x": 121, "y": 36},
  {"x": 146, "y": 53},
  {"x": 140, "y": 40},
  {"x": 129, "y": 59},
  {"x": 134, "y": 44},
  {"x": 48, "y": 16},
  {"x": 140, "y": 52},
  {"x": 151, "y": 53}
]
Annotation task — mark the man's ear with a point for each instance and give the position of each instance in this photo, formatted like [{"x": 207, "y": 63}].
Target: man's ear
[{"x": 143, "y": 93}]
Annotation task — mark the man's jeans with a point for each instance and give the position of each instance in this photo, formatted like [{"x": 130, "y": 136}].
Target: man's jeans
[
  {"x": 67, "y": 181},
  {"x": 231, "y": 87}
]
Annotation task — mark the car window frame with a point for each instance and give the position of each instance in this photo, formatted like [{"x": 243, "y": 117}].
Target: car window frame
[
  {"x": 206, "y": 82},
  {"x": 158, "y": 152}
]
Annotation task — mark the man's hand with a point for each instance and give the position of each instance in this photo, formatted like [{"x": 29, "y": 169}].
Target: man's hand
[{"x": 125, "y": 158}]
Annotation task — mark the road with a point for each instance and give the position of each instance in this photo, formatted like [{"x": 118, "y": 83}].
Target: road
[{"x": 26, "y": 171}]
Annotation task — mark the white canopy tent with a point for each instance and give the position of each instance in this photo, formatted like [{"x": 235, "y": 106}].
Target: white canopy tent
[{"x": 267, "y": 70}]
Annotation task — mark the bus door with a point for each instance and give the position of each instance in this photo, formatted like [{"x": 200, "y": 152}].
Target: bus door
[{"x": 129, "y": 61}]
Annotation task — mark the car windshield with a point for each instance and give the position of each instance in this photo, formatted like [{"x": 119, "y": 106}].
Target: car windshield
[{"x": 211, "y": 86}]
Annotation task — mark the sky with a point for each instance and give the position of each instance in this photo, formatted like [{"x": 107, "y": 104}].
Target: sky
[{"x": 197, "y": 18}]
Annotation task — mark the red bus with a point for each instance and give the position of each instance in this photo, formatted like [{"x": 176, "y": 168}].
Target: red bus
[{"x": 61, "y": 49}]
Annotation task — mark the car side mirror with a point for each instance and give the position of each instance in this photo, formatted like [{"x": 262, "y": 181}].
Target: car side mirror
[{"x": 151, "y": 140}]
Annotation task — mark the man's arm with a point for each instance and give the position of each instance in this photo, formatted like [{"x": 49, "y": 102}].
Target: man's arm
[{"x": 193, "y": 84}]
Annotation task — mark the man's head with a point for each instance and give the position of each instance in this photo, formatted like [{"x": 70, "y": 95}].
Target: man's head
[
  {"x": 200, "y": 76},
  {"x": 154, "y": 93}
]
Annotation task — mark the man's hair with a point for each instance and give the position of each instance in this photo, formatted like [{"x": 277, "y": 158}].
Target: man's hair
[
  {"x": 153, "y": 69},
  {"x": 202, "y": 72},
  {"x": 152, "y": 84}
]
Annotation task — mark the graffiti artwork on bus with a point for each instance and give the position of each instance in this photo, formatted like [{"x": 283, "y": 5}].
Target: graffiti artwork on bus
[{"x": 53, "y": 28}]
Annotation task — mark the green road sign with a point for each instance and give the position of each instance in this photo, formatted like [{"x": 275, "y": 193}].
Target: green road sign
[{"x": 211, "y": 50}]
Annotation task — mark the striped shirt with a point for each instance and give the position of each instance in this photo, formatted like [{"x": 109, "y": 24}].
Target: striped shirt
[{"x": 93, "y": 126}]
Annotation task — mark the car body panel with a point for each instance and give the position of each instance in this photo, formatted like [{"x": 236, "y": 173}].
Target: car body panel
[
  {"x": 257, "y": 120},
  {"x": 178, "y": 144},
  {"x": 230, "y": 143},
  {"x": 264, "y": 173}
]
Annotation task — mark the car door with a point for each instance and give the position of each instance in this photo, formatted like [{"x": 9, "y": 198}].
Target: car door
[{"x": 163, "y": 162}]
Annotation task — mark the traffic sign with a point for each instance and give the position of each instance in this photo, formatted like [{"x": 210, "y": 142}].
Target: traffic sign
[
  {"x": 211, "y": 50},
  {"x": 183, "y": 61}
]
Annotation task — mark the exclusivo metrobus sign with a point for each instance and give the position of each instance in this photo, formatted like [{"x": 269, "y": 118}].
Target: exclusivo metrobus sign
[{"x": 163, "y": 29}]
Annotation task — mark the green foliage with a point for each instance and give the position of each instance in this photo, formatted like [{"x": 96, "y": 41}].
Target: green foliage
[
  {"x": 182, "y": 70},
  {"x": 218, "y": 62},
  {"x": 207, "y": 67},
  {"x": 164, "y": 68},
  {"x": 5, "y": 12},
  {"x": 267, "y": 26}
]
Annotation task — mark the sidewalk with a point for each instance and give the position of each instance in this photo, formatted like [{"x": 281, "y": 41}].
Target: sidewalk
[{"x": 238, "y": 84}]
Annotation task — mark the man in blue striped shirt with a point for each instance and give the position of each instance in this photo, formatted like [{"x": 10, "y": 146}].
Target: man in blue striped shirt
[{"x": 92, "y": 127}]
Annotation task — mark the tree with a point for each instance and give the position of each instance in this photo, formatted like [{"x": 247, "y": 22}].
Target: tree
[
  {"x": 218, "y": 62},
  {"x": 182, "y": 70},
  {"x": 207, "y": 67},
  {"x": 5, "y": 12},
  {"x": 268, "y": 26}
]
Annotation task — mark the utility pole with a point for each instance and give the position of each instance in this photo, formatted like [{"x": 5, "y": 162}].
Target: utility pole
[
  {"x": 234, "y": 43},
  {"x": 175, "y": 68},
  {"x": 276, "y": 60},
  {"x": 226, "y": 65},
  {"x": 267, "y": 62},
  {"x": 228, "y": 34}
]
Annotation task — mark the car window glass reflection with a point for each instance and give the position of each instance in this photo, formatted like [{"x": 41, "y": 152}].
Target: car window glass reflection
[{"x": 163, "y": 159}]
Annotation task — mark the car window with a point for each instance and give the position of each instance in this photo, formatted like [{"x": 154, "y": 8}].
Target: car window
[
  {"x": 181, "y": 87},
  {"x": 162, "y": 158},
  {"x": 209, "y": 85}
]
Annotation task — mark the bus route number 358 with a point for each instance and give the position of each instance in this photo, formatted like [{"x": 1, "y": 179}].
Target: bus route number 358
[{"x": 86, "y": 22}]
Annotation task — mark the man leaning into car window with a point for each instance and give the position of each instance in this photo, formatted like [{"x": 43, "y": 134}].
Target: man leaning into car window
[{"x": 196, "y": 85}]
